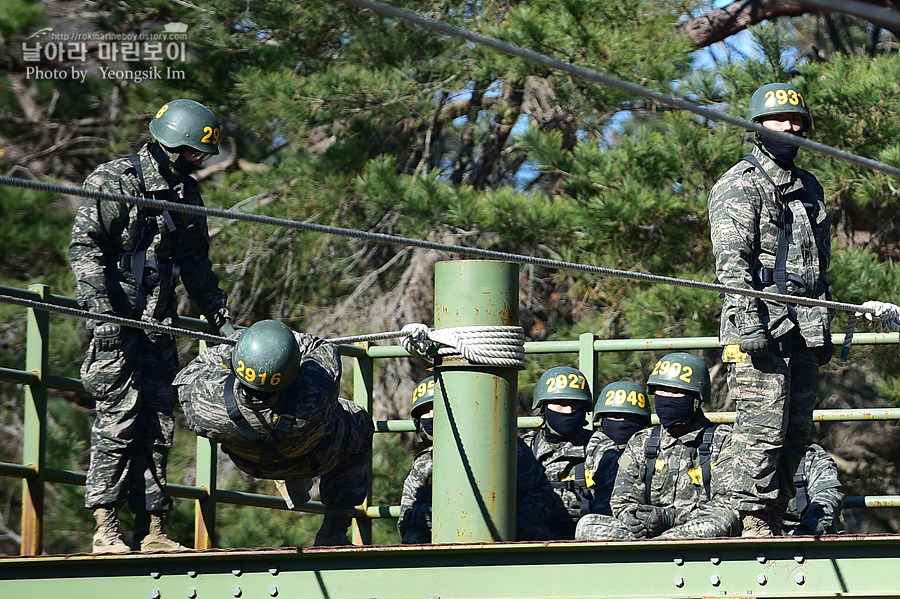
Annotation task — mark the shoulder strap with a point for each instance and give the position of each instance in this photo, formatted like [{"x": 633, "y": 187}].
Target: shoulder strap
[
  {"x": 705, "y": 452},
  {"x": 136, "y": 163},
  {"x": 651, "y": 451},
  {"x": 235, "y": 414},
  {"x": 800, "y": 483}
]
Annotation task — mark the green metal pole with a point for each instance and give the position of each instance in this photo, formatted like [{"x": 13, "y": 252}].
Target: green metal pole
[
  {"x": 587, "y": 361},
  {"x": 35, "y": 445},
  {"x": 474, "y": 483},
  {"x": 205, "y": 509},
  {"x": 363, "y": 386}
]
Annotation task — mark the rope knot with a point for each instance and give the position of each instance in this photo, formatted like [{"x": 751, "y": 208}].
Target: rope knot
[{"x": 490, "y": 345}]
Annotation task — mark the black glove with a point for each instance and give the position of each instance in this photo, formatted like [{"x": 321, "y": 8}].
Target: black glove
[
  {"x": 107, "y": 336},
  {"x": 221, "y": 321},
  {"x": 635, "y": 524},
  {"x": 657, "y": 520},
  {"x": 422, "y": 518},
  {"x": 826, "y": 352},
  {"x": 754, "y": 342}
]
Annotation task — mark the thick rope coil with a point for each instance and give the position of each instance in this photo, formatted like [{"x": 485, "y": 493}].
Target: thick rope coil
[{"x": 490, "y": 345}]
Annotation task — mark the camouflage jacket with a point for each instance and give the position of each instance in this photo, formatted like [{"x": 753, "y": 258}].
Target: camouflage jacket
[
  {"x": 311, "y": 400},
  {"x": 745, "y": 215},
  {"x": 107, "y": 233},
  {"x": 534, "y": 497},
  {"x": 602, "y": 458},
  {"x": 823, "y": 495},
  {"x": 678, "y": 482},
  {"x": 561, "y": 460}
]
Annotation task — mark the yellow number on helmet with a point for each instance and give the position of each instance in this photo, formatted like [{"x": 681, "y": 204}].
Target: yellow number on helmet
[
  {"x": 781, "y": 96},
  {"x": 686, "y": 374},
  {"x": 275, "y": 380},
  {"x": 162, "y": 110},
  {"x": 561, "y": 381}
]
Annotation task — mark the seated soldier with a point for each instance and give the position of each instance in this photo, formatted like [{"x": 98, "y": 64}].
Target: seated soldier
[
  {"x": 622, "y": 409},
  {"x": 561, "y": 444},
  {"x": 272, "y": 403},
  {"x": 534, "y": 497},
  {"x": 674, "y": 480},
  {"x": 816, "y": 508}
]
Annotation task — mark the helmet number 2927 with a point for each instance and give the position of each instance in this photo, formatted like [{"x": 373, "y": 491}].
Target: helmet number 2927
[{"x": 562, "y": 381}]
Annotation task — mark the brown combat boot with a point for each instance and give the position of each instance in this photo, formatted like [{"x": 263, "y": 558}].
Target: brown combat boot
[
  {"x": 149, "y": 535},
  {"x": 107, "y": 538},
  {"x": 756, "y": 524}
]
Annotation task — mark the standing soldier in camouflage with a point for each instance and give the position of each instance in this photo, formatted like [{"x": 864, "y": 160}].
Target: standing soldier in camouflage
[
  {"x": 534, "y": 497},
  {"x": 272, "y": 403},
  {"x": 622, "y": 409},
  {"x": 771, "y": 232},
  {"x": 816, "y": 508},
  {"x": 563, "y": 397},
  {"x": 674, "y": 480},
  {"x": 127, "y": 261}
]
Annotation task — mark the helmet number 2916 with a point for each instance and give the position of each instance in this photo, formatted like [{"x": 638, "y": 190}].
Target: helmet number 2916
[{"x": 250, "y": 375}]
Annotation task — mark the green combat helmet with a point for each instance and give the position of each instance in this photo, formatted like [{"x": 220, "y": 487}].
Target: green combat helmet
[
  {"x": 623, "y": 397},
  {"x": 562, "y": 382},
  {"x": 186, "y": 123},
  {"x": 681, "y": 371},
  {"x": 266, "y": 357},
  {"x": 422, "y": 397},
  {"x": 778, "y": 98}
]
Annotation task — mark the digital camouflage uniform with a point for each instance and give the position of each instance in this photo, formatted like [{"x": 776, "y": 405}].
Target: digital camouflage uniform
[
  {"x": 534, "y": 498},
  {"x": 677, "y": 483},
  {"x": 823, "y": 497},
  {"x": 331, "y": 438},
  {"x": 775, "y": 393},
  {"x": 561, "y": 460},
  {"x": 133, "y": 429}
]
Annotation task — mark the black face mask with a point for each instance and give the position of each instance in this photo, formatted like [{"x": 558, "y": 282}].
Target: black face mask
[
  {"x": 620, "y": 430},
  {"x": 781, "y": 152},
  {"x": 427, "y": 425},
  {"x": 183, "y": 167},
  {"x": 675, "y": 411},
  {"x": 565, "y": 425}
]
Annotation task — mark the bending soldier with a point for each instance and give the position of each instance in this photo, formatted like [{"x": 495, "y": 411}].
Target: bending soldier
[
  {"x": 622, "y": 409},
  {"x": 272, "y": 403},
  {"x": 534, "y": 497},
  {"x": 127, "y": 261},
  {"x": 816, "y": 508},
  {"x": 674, "y": 480},
  {"x": 560, "y": 445}
]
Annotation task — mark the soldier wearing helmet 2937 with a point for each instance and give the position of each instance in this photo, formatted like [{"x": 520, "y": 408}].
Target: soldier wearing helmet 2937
[
  {"x": 563, "y": 397},
  {"x": 674, "y": 480},
  {"x": 771, "y": 232},
  {"x": 534, "y": 497},
  {"x": 272, "y": 403},
  {"x": 127, "y": 261}
]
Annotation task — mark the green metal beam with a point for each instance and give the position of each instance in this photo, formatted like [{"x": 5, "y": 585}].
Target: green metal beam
[{"x": 779, "y": 568}]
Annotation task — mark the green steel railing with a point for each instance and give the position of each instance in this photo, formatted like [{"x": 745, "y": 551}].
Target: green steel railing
[{"x": 37, "y": 380}]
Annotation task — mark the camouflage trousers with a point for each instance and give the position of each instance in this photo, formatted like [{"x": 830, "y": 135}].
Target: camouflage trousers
[
  {"x": 132, "y": 432},
  {"x": 774, "y": 397},
  {"x": 338, "y": 466},
  {"x": 704, "y": 522}
]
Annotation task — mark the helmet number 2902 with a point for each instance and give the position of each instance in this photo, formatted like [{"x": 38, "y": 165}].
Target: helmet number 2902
[
  {"x": 673, "y": 370},
  {"x": 560, "y": 382},
  {"x": 250, "y": 375}
]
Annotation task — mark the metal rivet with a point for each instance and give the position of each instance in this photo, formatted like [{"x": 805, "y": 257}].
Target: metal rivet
[
  {"x": 799, "y": 579},
  {"x": 236, "y": 572},
  {"x": 715, "y": 580},
  {"x": 155, "y": 594},
  {"x": 761, "y": 558},
  {"x": 273, "y": 591},
  {"x": 679, "y": 581},
  {"x": 192, "y": 593},
  {"x": 761, "y": 579},
  {"x": 155, "y": 575},
  {"x": 798, "y": 558},
  {"x": 192, "y": 573},
  {"x": 236, "y": 591},
  {"x": 715, "y": 560},
  {"x": 679, "y": 561},
  {"x": 273, "y": 571}
]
